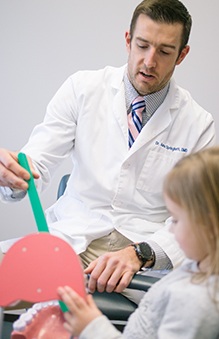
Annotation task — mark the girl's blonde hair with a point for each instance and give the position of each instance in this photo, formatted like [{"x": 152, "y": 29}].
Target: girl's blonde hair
[{"x": 193, "y": 184}]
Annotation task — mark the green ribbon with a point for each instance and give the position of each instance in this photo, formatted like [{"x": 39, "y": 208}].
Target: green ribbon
[{"x": 36, "y": 206}]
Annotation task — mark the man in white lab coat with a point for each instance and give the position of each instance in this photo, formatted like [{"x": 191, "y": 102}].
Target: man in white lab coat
[{"x": 114, "y": 194}]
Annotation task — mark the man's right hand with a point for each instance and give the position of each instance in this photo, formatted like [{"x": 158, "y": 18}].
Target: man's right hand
[
  {"x": 113, "y": 271},
  {"x": 11, "y": 173}
]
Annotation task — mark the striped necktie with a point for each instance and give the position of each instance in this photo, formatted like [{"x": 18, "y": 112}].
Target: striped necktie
[{"x": 135, "y": 119}]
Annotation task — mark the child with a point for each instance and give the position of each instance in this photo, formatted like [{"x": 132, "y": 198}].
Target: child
[{"x": 185, "y": 303}]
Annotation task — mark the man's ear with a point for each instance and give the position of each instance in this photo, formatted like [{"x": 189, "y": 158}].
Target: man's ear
[
  {"x": 183, "y": 54},
  {"x": 128, "y": 40}
]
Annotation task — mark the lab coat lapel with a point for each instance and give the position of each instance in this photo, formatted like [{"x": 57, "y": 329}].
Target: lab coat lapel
[
  {"x": 120, "y": 113},
  {"x": 156, "y": 125}
]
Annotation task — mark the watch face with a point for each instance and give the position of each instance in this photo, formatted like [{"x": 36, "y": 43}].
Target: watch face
[{"x": 146, "y": 251}]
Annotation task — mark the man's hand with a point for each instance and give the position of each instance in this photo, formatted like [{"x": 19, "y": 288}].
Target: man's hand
[
  {"x": 113, "y": 271},
  {"x": 11, "y": 173}
]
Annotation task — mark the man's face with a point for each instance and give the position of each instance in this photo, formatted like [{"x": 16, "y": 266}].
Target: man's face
[{"x": 153, "y": 54}]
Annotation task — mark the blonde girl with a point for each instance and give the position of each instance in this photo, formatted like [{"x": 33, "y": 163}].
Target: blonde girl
[{"x": 185, "y": 303}]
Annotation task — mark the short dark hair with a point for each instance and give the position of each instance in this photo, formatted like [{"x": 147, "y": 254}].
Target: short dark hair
[{"x": 166, "y": 11}]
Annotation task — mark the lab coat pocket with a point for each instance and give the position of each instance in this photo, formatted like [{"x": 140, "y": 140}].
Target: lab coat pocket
[{"x": 156, "y": 166}]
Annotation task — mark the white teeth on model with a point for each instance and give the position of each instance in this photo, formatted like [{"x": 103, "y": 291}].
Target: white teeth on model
[
  {"x": 19, "y": 325},
  {"x": 26, "y": 318},
  {"x": 37, "y": 307},
  {"x": 32, "y": 311},
  {"x": 23, "y": 321},
  {"x": 52, "y": 303}
]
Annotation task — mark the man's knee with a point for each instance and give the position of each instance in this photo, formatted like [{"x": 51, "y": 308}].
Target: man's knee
[{"x": 114, "y": 241}]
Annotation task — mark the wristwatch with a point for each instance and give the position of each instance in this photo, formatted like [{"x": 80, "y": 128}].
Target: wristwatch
[{"x": 144, "y": 253}]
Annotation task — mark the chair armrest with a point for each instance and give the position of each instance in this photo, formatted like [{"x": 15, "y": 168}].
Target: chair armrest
[
  {"x": 142, "y": 282},
  {"x": 115, "y": 305}
]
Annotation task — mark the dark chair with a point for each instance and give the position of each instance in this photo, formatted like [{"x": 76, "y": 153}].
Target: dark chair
[{"x": 114, "y": 305}]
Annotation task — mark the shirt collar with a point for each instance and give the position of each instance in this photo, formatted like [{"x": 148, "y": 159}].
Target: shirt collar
[{"x": 153, "y": 101}]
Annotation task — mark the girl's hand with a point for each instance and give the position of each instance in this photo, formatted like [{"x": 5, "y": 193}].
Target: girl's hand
[{"x": 81, "y": 312}]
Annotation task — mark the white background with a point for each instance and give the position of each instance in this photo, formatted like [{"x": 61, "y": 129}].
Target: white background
[{"x": 42, "y": 42}]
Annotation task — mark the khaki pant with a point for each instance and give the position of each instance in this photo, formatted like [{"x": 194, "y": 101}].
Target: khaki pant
[
  {"x": 110, "y": 243},
  {"x": 1, "y": 255}
]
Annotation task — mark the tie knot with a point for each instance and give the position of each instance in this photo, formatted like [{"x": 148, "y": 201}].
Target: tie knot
[{"x": 138, "y": 103}]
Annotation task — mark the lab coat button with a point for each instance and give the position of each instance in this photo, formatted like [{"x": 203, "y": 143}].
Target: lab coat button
[{"x": 126, "y": 165}]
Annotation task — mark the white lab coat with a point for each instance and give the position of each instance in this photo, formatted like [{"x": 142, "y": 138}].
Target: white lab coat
[{"x": 110, "y": 185}]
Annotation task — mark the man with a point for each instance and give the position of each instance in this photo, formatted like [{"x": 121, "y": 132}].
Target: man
[{"x": 114, "y": 194}]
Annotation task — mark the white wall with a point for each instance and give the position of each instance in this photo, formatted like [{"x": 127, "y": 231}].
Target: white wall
[{"x": 43, "y": 41}]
